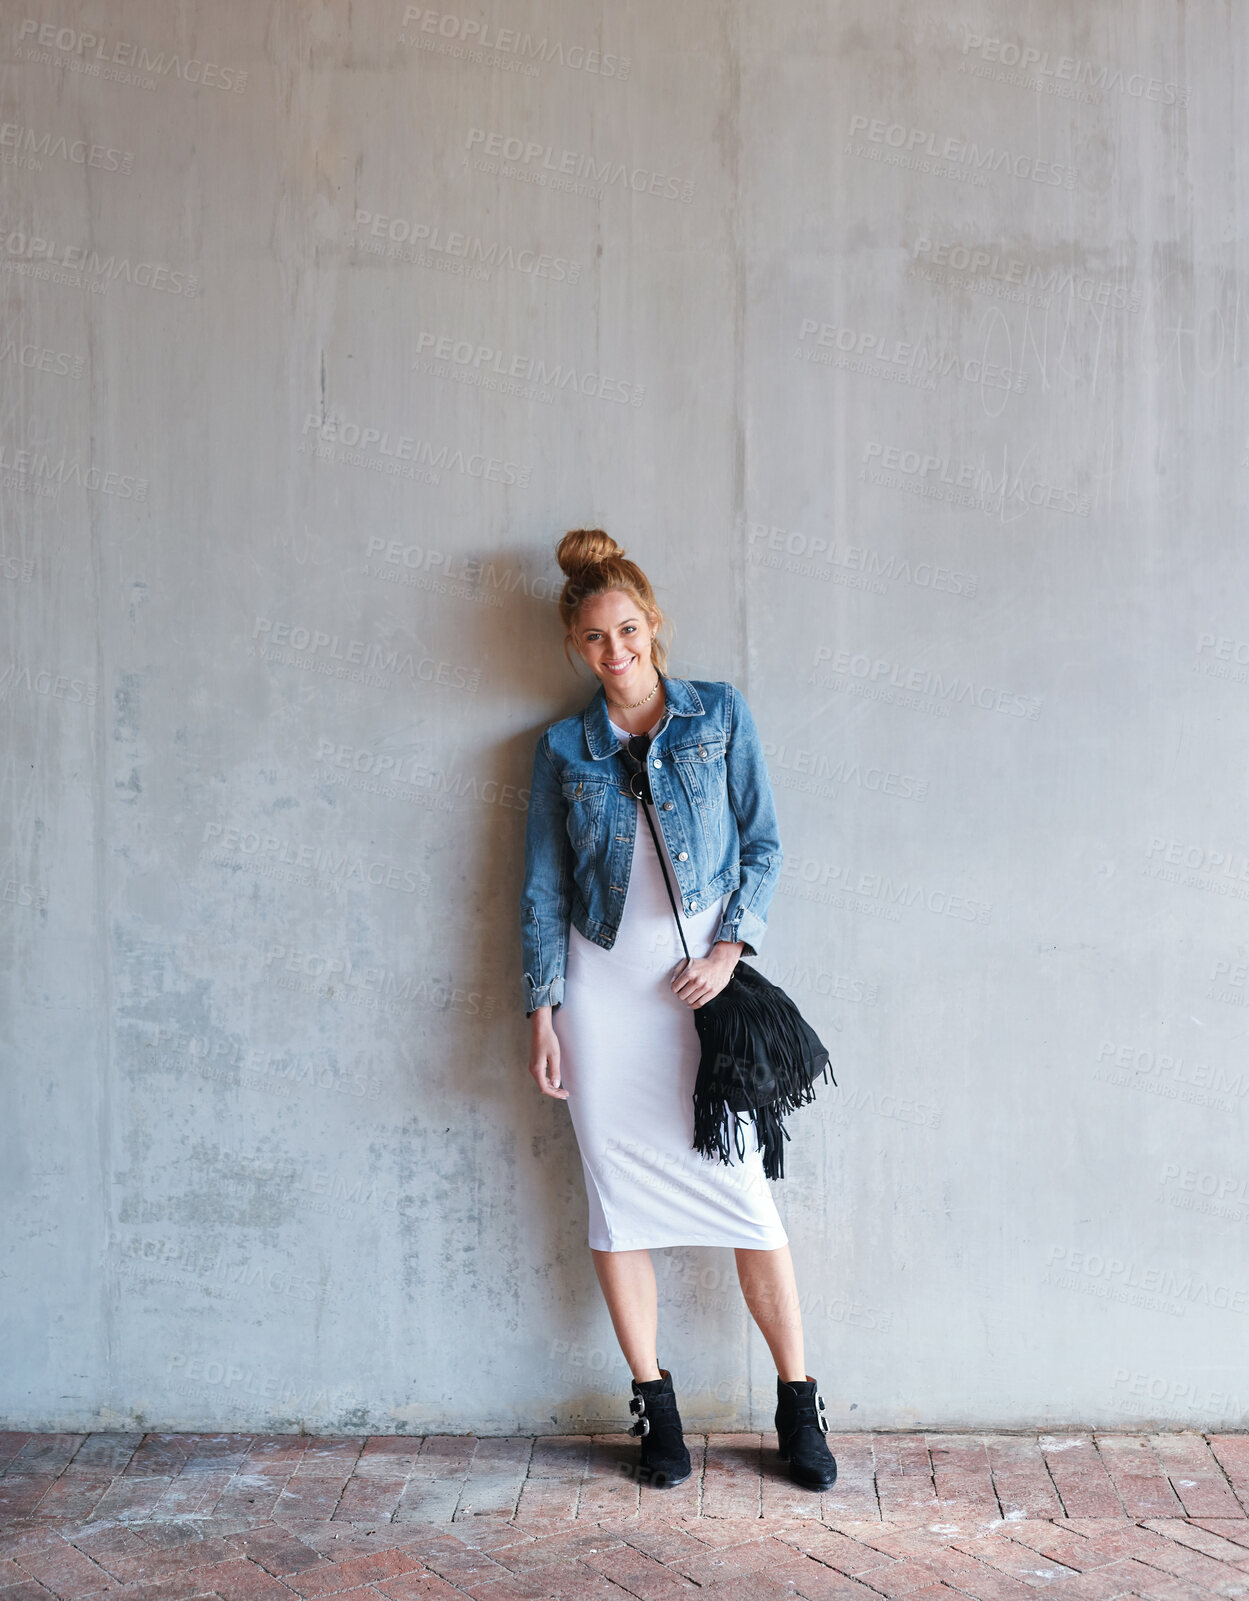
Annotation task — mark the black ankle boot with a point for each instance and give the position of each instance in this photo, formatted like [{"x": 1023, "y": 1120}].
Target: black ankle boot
[
  {"x": 800, "y": 1430},
  {"x": 664, "y": 1459}
]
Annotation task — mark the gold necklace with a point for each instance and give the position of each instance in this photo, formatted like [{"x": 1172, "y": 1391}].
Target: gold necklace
[{"x": 626, "y": 706}]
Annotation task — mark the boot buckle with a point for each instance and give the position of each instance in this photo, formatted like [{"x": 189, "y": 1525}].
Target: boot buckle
[
  {"x": 637, "y": 1405},
  {"x": 642, "y": 1427},
  {"x": 823, "y": 1421}
]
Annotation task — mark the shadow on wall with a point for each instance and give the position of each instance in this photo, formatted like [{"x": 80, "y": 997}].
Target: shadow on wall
[{"x": 545, "y": 1188}]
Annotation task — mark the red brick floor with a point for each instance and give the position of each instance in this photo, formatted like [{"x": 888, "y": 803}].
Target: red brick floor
[{"x": 926, "y": 1517}]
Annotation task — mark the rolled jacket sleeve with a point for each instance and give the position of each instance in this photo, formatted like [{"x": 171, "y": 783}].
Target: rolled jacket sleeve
[
  {"x": 546, "y": 897},
  {"x": 759, "y": 839}
]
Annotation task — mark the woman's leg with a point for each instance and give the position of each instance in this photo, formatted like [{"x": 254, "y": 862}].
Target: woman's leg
[
  {"x": 771, "y": 1292},
  {"x": 627, "y": 1279}
]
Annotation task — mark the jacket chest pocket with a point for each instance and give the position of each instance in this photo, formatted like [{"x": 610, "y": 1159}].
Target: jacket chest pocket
[
  {"x": 584, "y": 799},
  {"x": 704, "y": 777}
]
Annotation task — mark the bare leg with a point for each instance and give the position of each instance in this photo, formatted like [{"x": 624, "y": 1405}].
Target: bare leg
[
  {"x": 771, "y": 1293},
  {"x": 627, "y": 1279}
]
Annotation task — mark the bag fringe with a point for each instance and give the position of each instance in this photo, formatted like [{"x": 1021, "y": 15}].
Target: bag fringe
[{"x": 754, "y": 1039}]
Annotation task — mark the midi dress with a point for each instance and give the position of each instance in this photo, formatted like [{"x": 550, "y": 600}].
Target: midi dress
[{"x": 629, "y": 1052}]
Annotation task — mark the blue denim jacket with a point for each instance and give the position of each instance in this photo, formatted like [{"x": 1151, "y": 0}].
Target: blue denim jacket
[{"x": 712, "y": 801}]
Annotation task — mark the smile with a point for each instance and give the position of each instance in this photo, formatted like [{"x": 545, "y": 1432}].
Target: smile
[{"x": 619, "y": 667}]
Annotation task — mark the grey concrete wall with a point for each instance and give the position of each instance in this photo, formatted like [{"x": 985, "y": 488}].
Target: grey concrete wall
[{"x": 905, "y": 347}]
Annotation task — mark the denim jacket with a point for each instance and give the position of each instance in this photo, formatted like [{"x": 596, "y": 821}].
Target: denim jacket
[{"x": 712, "y": 801}]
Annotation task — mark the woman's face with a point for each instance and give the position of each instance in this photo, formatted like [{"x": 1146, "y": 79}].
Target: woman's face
[{"x": 613, "y": 636}]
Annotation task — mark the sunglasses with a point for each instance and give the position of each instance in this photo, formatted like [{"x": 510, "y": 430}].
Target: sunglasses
[{"x": 639, "y": 781}]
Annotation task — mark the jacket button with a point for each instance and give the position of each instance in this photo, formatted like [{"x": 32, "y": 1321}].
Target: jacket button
[
  {"x": 657, "y": 762},
  {"x": 682, "y": 856},
  {"x": 667, "y": 806}
]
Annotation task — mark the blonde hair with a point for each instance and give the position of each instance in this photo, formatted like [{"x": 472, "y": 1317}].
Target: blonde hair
[{"x": 595, "y": 564}]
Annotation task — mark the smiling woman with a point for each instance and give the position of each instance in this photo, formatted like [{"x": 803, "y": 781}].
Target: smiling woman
[{"x": 610, "y": 994}]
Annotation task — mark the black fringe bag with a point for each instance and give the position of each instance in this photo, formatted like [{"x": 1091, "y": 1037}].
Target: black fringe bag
[{"x": 759, "y": 1055}]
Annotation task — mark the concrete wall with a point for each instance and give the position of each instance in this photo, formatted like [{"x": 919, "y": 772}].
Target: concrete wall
[{"x": 906, "y": 348}]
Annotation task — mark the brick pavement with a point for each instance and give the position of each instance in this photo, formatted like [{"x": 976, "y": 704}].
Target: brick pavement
[{"x": 1079, "y": 1515}]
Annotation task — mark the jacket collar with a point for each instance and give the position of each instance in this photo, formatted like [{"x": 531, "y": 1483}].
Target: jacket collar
[{"x": 681, "y": 699}]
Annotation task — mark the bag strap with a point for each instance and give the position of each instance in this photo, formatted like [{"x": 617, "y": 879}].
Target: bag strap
[{"x": 659, "y": 849}]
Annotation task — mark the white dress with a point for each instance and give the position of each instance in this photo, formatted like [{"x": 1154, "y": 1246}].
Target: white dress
[{"x": 629, "y": 1054}]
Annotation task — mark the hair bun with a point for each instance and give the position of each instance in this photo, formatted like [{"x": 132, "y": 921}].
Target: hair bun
[{"x": 583, "y": 548}]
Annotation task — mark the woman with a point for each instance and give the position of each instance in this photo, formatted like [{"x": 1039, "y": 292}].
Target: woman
[{"x": 608, "y": 990}]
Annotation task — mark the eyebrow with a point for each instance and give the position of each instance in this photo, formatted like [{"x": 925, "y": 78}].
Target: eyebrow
[{"x": 620, "y": 624}]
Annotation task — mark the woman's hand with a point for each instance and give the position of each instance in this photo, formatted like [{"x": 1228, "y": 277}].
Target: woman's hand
[
  {"x": 705, "y": 976},
  {"x": 544, "y": 1054}
]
